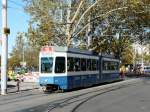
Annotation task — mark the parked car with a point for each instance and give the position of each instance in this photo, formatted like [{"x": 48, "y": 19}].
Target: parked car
[{"x": 146, "y": 69}]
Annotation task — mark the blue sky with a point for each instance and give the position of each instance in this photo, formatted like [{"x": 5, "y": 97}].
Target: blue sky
[{"x": 17, "y": 20}]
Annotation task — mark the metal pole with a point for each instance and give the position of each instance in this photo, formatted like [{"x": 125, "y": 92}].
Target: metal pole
[
  {"x": 23, "y": 54},
  {"x": 89, "y": 34},
  {"x": 68, "y": 40},
  {"x": 142, "y": 65},
  {"x": 4, "y": 49},
  {"x": 89, "y": 41},
  {"x": 23, "y": 50},
  {"x": 134, "y": 56}
]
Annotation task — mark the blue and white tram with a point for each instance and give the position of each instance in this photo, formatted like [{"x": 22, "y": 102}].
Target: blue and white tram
[
  {"x": 65, "y": 68},
  {"x": 109, "y": 69}
]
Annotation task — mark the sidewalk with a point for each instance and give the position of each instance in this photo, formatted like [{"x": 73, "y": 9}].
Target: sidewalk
[
  {"x": 24, "y": 86},
  {"x": 132, "y": 74}
]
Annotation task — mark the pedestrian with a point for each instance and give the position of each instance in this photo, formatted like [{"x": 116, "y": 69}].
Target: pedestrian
[
  {"x": 18, "y": 85},
  {"x": 122, "y": 72}
]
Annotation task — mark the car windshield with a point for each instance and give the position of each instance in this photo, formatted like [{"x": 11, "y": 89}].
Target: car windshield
[{"x": 46, "y": 64}]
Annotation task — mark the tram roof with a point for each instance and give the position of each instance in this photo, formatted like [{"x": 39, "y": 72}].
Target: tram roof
[
  {"x": 74, "y": 50},
  {"x": 68, "y": 50}
]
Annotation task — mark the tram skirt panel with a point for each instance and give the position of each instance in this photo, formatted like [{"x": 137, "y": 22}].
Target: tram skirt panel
[{"x": 61, "y": 82}]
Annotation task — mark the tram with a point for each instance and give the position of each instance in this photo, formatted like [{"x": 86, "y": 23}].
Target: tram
[{"x": 67, "y": 68}]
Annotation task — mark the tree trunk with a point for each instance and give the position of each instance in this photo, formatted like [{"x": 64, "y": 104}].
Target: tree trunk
[{"x": 68, "y": 39}]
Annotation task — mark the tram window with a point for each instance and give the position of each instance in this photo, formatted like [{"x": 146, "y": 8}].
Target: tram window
[
  {"x": 77, "y": 64},
  {"x": 94, "y": 65},
  {"x": 110, "y": 65},
  {"x": 105, "y": 65},
  {"x": 97, "y": 65},
  {"x": 115, "y": 65},
  {"x": 83, "y": 64},
  {"x": 89, "y": 64},
  {"x": 60, "y": 65},
  {"x": 70, "y": 64},
  {"x": 46, "y": 64}
]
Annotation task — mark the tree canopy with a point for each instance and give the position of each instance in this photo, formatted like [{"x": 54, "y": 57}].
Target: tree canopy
[{"x": 111, "y": 25}]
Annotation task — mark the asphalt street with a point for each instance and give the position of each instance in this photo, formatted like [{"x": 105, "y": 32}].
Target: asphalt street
[
  {"x": 126, "y": 96},
  {"x": 135, "y": 98},
  {"x": 24, "y": 86}
]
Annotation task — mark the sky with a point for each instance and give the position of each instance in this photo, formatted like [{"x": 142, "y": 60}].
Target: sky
[{"x": 17, "y": 21}]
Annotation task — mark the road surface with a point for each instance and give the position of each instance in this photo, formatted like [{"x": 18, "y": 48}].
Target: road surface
[
  {"x": 130, "y": 96},
  {"x": 24, "y": 86}
]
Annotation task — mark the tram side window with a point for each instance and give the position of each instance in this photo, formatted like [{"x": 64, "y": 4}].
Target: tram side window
[
  {"x": 105, "y": 65},
  {"x": 70, "y": 64},
  {"x": 97, "y": 62},
  {"x": 94, "y": 64},
  {"x": 89, "y": 64},
  {"x": 83, "y": 64},
  {"x": 116, "y": 65},
  {"x": 77, "y": 64},
  {"x": 110, "y": 65},
  {"x": 60, "y": 65}
]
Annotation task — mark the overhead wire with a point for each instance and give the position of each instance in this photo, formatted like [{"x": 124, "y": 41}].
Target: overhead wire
[{"x": 20, "y": 7}]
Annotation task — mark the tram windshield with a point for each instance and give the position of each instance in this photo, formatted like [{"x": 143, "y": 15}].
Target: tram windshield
[{"x": 46, "y": 64}]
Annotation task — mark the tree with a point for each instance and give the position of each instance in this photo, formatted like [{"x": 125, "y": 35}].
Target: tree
[
  {"x": 40, "y": 30},
  {"x": 124, "y": 18},
  {"x": 17, "y": 54},
  {"x": 147, "y": 59},
  {"x": 104, "y": 20},
  {"x": 45, "y": 27},
  {"x": 44, "y": 13},
  {"x": 23, "y": 52},
  {"x": 127, "y": 55}
]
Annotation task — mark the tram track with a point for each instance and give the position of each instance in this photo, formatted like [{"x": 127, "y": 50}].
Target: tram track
[
  {"x": 83, "y": 98},
  {"x": 93, "y": 96},
  {"x": 36, "y": 101},
  {"x": 19, "y": 97}
]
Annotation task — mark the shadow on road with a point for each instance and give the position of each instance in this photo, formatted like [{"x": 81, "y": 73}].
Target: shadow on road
[{"x": 11, "y": 86}]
